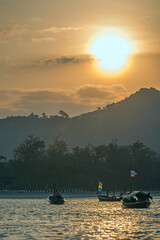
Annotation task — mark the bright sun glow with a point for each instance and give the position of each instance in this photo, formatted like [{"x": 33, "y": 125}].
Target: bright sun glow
[{"x": 112, "y": 52}]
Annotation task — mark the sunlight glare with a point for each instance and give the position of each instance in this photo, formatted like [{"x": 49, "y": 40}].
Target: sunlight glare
[{"x": 112, "y": 52}]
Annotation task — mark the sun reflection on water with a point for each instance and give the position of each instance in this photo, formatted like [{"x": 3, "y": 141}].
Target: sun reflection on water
[{"x": 78, "y": 218}]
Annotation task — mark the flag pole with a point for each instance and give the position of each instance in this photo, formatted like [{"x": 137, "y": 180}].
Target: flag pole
[
  {"x": 132, "y": 175},
  {"x": 131, "y": 184}
]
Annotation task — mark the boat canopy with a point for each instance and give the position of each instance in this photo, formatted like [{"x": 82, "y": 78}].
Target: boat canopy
[{"x": 135, "y": 193}]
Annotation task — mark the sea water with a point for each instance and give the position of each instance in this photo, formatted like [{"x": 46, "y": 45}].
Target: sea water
[{"x": 78, "y": 218}]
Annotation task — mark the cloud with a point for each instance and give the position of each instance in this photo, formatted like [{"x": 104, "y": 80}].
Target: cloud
[
  {"x": 45, "y": 39},
  {"x": 35, "y": 95},
  {"x": 57, "y": 61},
  {"x": 92, "y": 91},
  {"x": 9, "y": 96},
  {"x": 46, "y": 96},
  {"x": 54, "y": 29},
  {"x": 101, "y": 92},
  {"x": 20, "y": 101},
  {"x": 12, "y": 30},
  {"x": 43, "y": 63}
]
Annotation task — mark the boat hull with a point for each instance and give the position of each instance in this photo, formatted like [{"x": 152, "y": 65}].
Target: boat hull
[
  {"x": 108, "y": 199},
  {"x": 56, "y": 200},
  {"x": 142, "y": 204}
]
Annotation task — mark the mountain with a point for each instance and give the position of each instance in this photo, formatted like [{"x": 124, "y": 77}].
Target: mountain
[{"x": 134, "y": 118}]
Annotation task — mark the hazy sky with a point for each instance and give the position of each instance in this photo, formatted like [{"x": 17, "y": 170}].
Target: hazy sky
[{"x": 45, "y": 59}]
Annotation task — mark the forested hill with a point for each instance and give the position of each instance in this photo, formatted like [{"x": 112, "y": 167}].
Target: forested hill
[{"x": 136, "y": 118}]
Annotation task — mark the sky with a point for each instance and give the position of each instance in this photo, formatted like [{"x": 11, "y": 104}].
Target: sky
[{"x": 46, "y": 63}]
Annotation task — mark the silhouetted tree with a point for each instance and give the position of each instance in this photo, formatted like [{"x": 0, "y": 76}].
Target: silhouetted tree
[
  {"x": 32, "y": 115},
  {"x": 58, "y": 146},
  {"x": 2, "y": 158},
  {"x": 32, "y": 149},
  {"x": 63, "y": 114},
  {"x": 34, "y": 166},
  {"x": 44, "y": 115}
]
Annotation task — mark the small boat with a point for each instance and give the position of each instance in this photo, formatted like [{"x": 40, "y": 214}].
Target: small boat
[
  {"x": 108, "y": 198},
  {"x": 56, "y": 199},
  {"x": 102, "y": 197},
  {"x": 136, "y": 199}
]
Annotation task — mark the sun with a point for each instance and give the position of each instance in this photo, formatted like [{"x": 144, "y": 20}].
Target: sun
[{"x": 112, "y": 52}]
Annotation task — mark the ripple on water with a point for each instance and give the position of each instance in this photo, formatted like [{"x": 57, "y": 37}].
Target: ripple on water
[{"x": 78, "y": 218}]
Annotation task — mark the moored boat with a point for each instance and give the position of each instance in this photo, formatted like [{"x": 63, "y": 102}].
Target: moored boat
[
  {"x": 136, "y": 199},
  {"x": 103, "y": 197},
  {"x": 108, "y": 198},
  {"x": 56, "y": 199}
]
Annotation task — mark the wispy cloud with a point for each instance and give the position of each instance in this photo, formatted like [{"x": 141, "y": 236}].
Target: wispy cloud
[
  {"x": 47, "y": 96},
  {"x": 54, "y": 29},
  {"x": 61, "y": 60},
  {"x": 44, "y": 39},
  {"x": 48, "y": 62},
  {"x": 57, "y": 61},
  {"x": 12, "y": 30}
]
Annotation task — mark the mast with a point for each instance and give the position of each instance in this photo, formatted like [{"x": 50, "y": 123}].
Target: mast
[{"x": 132, "y": 175}]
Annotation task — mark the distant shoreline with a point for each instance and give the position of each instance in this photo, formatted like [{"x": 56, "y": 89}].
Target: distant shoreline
[
  {"x": 38, "y": 195},
  {"x": 44, "y": 195}
]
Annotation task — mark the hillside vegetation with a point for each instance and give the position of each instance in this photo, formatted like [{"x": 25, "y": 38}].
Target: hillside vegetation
[{"x": 136, "y": 118}]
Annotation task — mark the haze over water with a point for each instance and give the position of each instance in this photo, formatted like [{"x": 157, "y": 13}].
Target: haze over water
[{"x": 78, "y": 218}]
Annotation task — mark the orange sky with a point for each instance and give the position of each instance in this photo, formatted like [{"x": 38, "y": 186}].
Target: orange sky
[{"x": 45, "y": 63}]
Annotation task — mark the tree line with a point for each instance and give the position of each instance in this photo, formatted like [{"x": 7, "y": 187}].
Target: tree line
[{"x": 37, "y": 166}]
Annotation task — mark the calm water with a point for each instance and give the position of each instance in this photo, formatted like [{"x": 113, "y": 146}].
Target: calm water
[{"x": 78, "y": 218}]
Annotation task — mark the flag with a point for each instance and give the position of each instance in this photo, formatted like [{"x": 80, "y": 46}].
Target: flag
[
  {"x": 100, "y": 183},
  {"x": 133, "y": 173},
  {"x": 100, "y": 187},
  {"x": 99, "y": 190}
]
